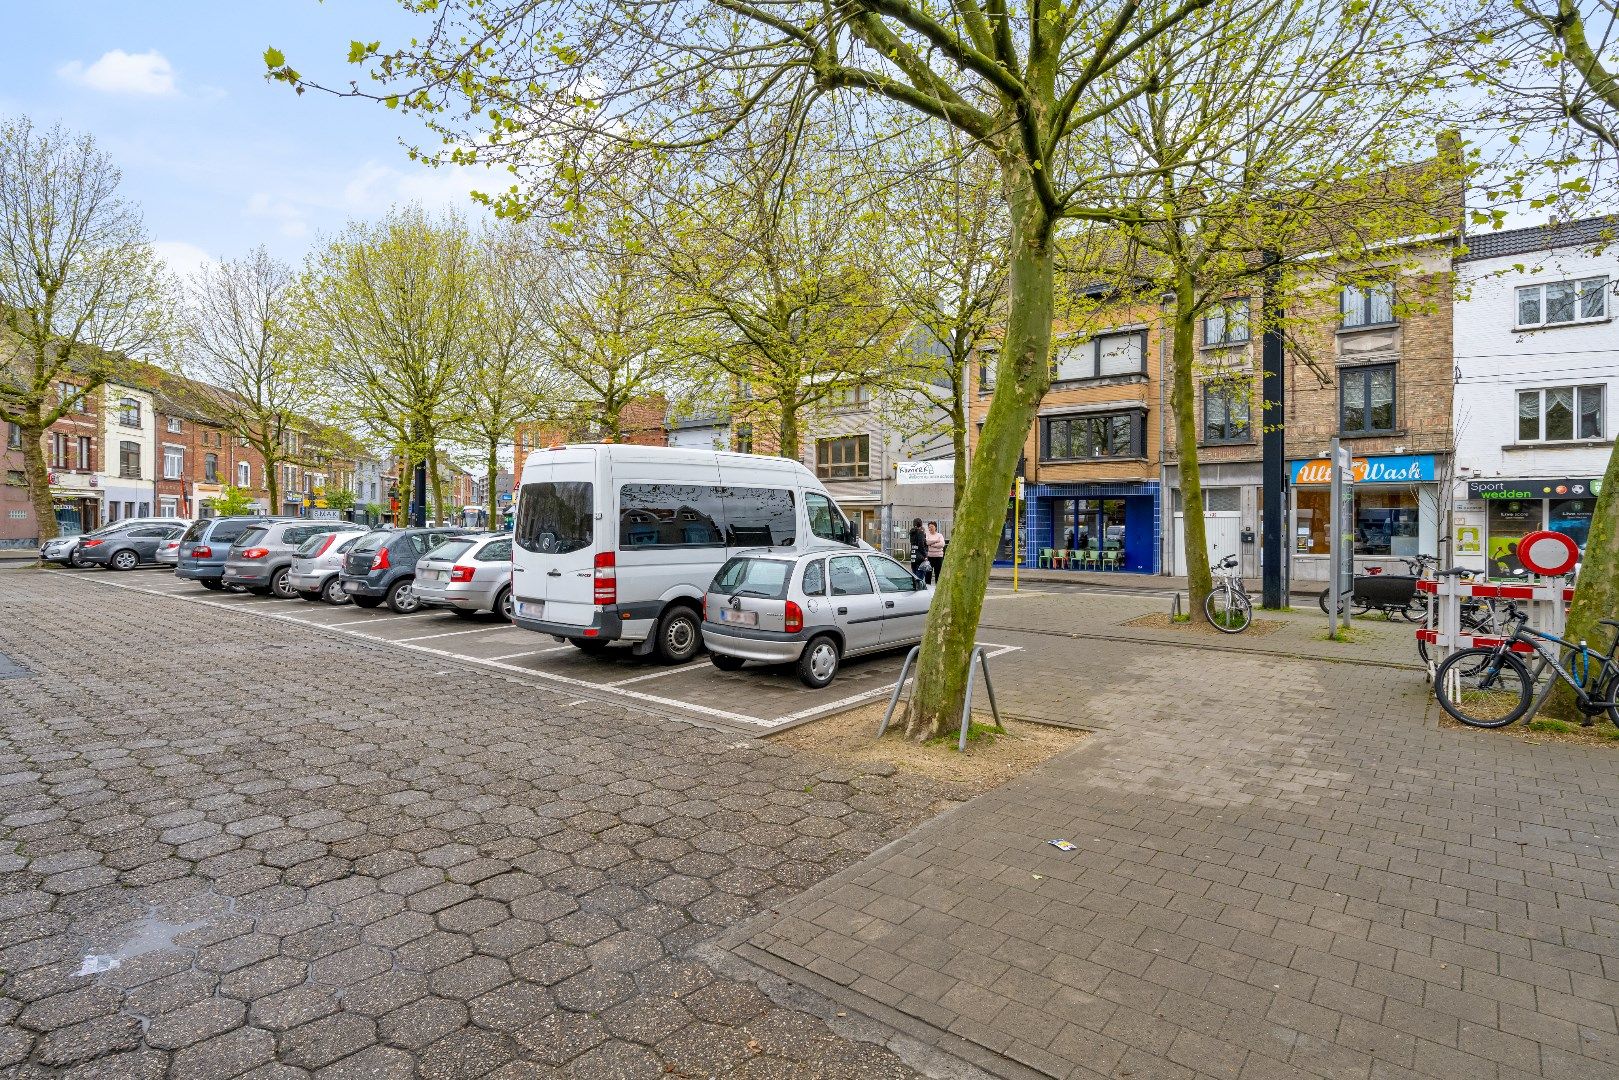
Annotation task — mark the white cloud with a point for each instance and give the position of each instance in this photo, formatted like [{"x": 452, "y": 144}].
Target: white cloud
[
  {"x": 291, "y": 220},
  {"x": 183, "y": 259},
  {"x": 119, "y": 72},
  {"x": 376, "y": 187}
]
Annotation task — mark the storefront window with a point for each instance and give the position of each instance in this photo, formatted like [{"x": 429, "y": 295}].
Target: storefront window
[
  {"x": 1386, "y": 522},
  {"x": 1510, "y": 521},
  {"x": 1572, "y": 518}
]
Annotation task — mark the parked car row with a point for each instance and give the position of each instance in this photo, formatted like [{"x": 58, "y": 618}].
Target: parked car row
[{"x": 664, "y": 551}]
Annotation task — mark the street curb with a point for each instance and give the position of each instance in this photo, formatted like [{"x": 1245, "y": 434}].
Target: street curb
[{"x": 1207, "y": 646}]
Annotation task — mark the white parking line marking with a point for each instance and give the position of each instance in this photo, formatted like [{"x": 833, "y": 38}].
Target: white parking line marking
[
  {"x": 655, "y": 675},
  {"x": 454, "y": 633},
  {"x": 530, "y": 652}
]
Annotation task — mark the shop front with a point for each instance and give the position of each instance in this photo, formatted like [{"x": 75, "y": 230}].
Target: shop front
[
  {"x": 1500, "y": 513},
  {"x": 1088, "y": 527},
  {"x": 1396, "y": 512}
]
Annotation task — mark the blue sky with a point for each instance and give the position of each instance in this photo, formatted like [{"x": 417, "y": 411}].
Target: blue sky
[{"x": 218, "y": 159}]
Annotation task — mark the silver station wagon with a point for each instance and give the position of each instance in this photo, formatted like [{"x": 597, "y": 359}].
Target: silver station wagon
[{"x": 813, "y": 608}]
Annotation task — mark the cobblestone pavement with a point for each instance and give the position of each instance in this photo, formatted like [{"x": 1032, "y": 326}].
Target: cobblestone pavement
[
  {"x": 1284, "y": 869},
  {"x": 233, "y": 847}
]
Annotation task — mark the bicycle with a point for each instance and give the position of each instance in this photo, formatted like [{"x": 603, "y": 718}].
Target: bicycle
[
  {"x": 1228, "y": 607},
  {"x": 1392, "y": 594},
  {"x": 1494, "y": 687},
  {"x": 1479, "y": 617}
]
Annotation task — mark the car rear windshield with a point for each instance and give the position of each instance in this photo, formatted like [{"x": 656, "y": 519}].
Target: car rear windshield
[
  {"x": 226, "y": 531},
  {"x": 450, "y": 550},
  {"x": 556, "y": 518},
  {"x": 250, "y": 537},
  {"x": 371, "y": 541},
  {"x": 313, "y": 544},
  {"x": 764, "y": 578},
  {"x": 198, "y": 527},
  {"x": 299, "y": 533}
]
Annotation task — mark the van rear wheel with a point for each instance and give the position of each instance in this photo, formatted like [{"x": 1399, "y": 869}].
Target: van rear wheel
[{"x": 679, "y": 635}]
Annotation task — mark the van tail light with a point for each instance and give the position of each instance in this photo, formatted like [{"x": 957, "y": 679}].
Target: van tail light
[
  {"x": 92, "y": 543},
  {"x": 379, "y": 561},
  {"x": 606, "y": 578},
  {"x": 795, "y": 618},
  {"x": 201, "y": 551},
  {"x": 461, "y": 573},
  {"x": 324, "y": 544},
  {"x": 255, "y": 552}
]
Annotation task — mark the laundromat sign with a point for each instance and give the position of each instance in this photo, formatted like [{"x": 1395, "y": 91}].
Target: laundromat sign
[
  {"x": 1396, "y": 469},
  {"x": 1518, "y": 490}
]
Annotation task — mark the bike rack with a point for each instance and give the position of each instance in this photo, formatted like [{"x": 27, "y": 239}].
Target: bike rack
[{"x": 966, "y": 706}]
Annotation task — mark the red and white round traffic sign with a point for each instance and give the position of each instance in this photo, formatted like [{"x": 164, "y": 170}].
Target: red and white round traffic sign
[{"x": 1549, "y": 554}]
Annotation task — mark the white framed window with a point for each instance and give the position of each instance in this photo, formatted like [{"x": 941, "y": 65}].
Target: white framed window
[
  {"x": 1561, "y": 413},
  {"x": 1118, "y": 353},
  {"x": 1371, "y": 304},
  {"x": 174, "y": 462},
  {"x": 168, "y": 506},
  {"x": 1226, "y": 324},
  {"x": 129, "y": 412},
  {"x": 1558, "y": 302},
  {"x": 244, "y": 474},
  {"x": 174, "y": 425}
]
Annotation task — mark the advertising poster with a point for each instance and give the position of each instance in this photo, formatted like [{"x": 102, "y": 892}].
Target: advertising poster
[{"x": 1510, "y": 521}]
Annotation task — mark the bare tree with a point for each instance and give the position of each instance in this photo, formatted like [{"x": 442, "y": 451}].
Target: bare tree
[
  {"x": 242, "y": 345},
  {"x": 80, "y": 287}
]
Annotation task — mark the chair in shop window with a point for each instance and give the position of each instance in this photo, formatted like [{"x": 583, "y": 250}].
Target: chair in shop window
[
  {"x": 1111, "y": 559},
  {"x": 1044, "y": 560},
  {"x": 1059, "y": 558}
]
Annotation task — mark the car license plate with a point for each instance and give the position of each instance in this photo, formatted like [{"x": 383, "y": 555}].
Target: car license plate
[
  {"x": 739, "y": 618},
  {"x": 351, "y": 586},
  {"x": 528, "y": 609}
]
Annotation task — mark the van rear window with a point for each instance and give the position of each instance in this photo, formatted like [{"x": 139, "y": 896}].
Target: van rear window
[{"x": 554, "y": 518}]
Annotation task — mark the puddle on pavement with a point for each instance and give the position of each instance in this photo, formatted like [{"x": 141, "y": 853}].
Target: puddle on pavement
[{"x": 151, "y": 934}]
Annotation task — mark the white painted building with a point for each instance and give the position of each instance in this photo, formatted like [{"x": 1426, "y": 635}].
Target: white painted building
[
  {"x": 128, "y": 462},
  {"x": 1537, "y": 383}
]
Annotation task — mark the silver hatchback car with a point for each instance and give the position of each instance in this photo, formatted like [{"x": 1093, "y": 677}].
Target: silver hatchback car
[
  {"x": 468, "y": 574},
  {"x": 316, "y": 565},
  {"x": 813, "y": 608}
]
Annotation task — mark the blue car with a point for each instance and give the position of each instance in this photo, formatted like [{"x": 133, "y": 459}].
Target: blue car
[{"x": 206, "y": 544}]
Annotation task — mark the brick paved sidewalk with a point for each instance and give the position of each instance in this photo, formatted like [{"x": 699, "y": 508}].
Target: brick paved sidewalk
[
  {"x": 1284, "y": 869},
  {"x": 313, "y": 856}
]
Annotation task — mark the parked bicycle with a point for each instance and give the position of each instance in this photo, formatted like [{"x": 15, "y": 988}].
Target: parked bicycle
[
  {"x": 1228, "y": 605},
  {"x": 1490, "y": 686},
  {"x": 1392, "y": 594}
]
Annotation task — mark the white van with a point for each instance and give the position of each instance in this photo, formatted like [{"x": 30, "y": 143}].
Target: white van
[{"x": 618, "y": 543}]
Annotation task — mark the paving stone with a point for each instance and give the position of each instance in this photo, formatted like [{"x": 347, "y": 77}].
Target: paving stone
[{"x": 194, "y": 1023}]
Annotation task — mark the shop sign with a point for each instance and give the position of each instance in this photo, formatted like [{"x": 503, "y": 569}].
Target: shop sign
[
  {"x": 1398, "y": 469},
  {"x": 925, "y": 472},
  {"x": 1531, "y": 489},
  {"x": 325, "y": 515}
]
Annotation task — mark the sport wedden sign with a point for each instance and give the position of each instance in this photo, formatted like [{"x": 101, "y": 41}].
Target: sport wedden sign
[{"x": 1520, "y": 490}]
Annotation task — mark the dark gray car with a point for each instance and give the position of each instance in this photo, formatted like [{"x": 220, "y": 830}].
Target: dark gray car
[
  {"x": 128, "y": 548},
  {"x": 260, "y": 560},
  {"x": 381, "y": 566}
]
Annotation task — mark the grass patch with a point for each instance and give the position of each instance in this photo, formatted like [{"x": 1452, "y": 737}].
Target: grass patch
[
  {"x": 977, "y": 735},
  {"x": 1348, "y": 636},
  {"x": 1557, "y": 727},
  {"x": 1180, "y": 618}
]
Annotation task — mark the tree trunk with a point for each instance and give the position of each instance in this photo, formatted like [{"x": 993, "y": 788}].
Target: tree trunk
[
  {"x": 39, "y": 482},
  {"x": 435, "y": 481},
  {"x": 1024, "y": 374},
  {"x": 1183, "y": 396},
  {"x": 491, "y": 471},
  {"x": 272, "y": 476},
  {"x": 1596, "y": 594},
  {"x": 787, "y": 433}
]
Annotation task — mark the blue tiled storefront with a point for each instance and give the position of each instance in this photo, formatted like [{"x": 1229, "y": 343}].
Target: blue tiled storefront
[{"x": 1066, "y": 515}]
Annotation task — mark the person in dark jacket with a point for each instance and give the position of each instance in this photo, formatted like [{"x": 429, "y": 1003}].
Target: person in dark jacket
[{"x": 919, "y": 551}]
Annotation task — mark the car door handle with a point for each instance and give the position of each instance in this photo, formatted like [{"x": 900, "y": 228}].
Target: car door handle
[
  {"x": 843, "y": 611},
  {"x": 888, "y": 603},
  {"x": 553, "y": 573}
]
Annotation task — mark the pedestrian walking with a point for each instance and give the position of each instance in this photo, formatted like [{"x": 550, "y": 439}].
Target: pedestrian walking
[
  {"x": 935, "y": 541},
  {"x": 919, "y": 551}
]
